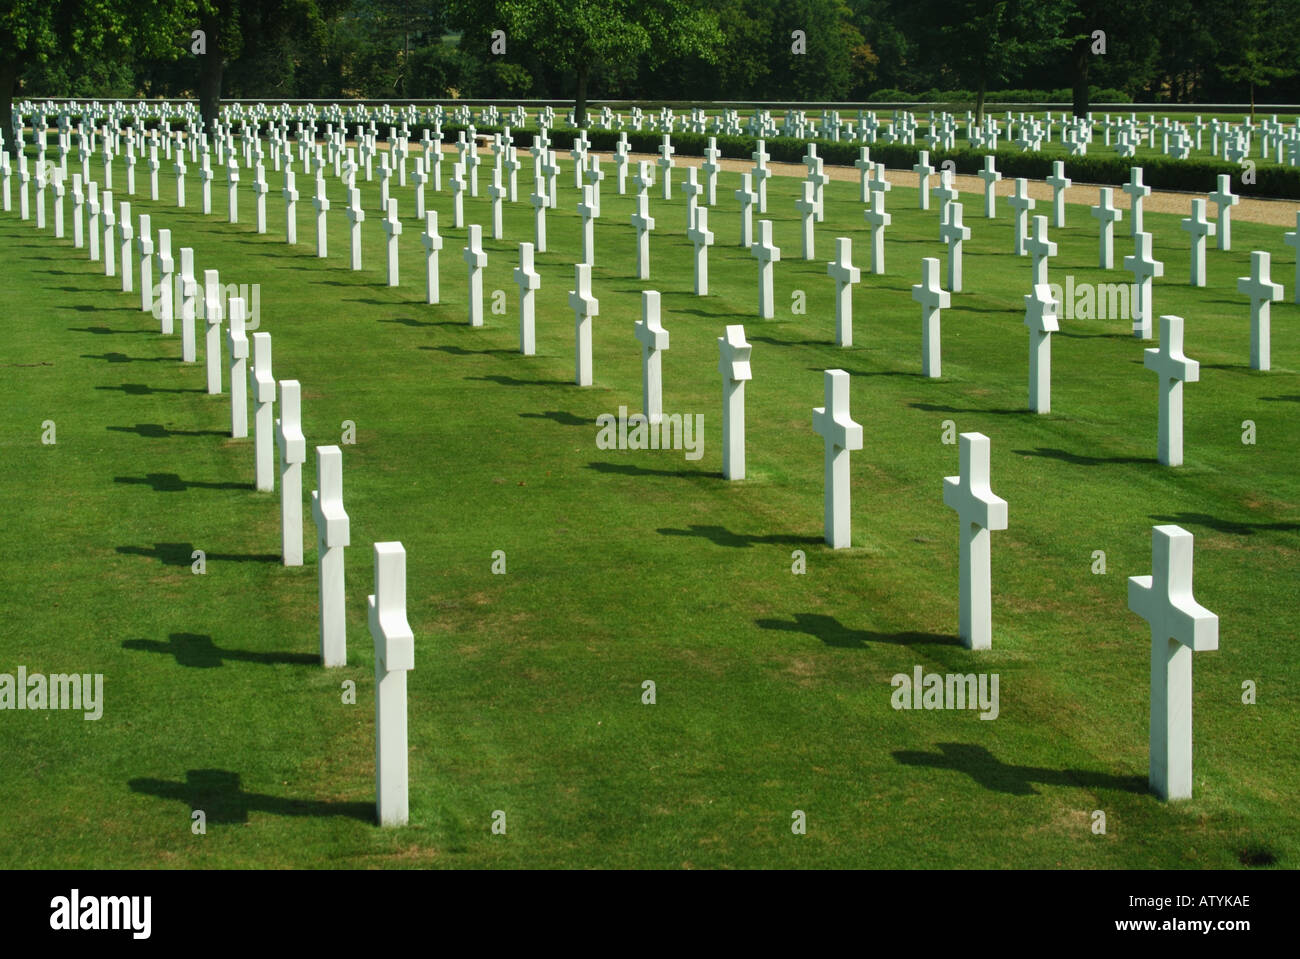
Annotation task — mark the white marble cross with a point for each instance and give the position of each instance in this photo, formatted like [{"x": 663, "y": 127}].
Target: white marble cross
[
  {"x": 290, "y": 208},
  {"x": 644, "y": 223},
  {"x": 262, "y": 385},
  {"x": 333, "y": 535},
  {"x": 1040, "y": 248},
  {"x": 1199, "y": 227},
  {"x": 167, "y": 283},
  {"x": 212, "y": 337},
  {"x": 585, "y": 306},
  {"x": 587, "y": 210},
  {"x": 420, "y": 177},
  {"x": 594, "y": 175},
  {"x": 1225, "y": 200},
  {"x": 1137, "y": 191},
  {"x": 125, "y": 234},
  {"x": 260, "y": 190},
  {"x": 733, "y": 364},
  {"x": 879, "y": 183},
  {"x": 475, "y": 259},
  {"x": 179, "y": 168},
  {"x": 1144, "y": 268},
  {"x": 1174, "y": 369},
  {"x": 237, "y": 345},
  {"x": 1041, "y": 318},
  {"x": 654, "y": 340},
  {"x": 232, "y": 189},
  {"x": 528, "y": 281},
  {"x": 767, "y": 253},
  {"x": 760, "y": 174},
  {"x": 878, "y": 219},
  {"x": 1261, "y": 289},
  {"x": 432, "y": 244},
  {"x": 621, "y": 161},
  {"x": 1021, "y": 202},
  {"x": 990, "y": 176},
  {"x": 392, "y": 227},
  {"x": 923, "y": 171},
  {"x": 92, "y": 220},
  {"x": 807, "y": 207},
  {"x": 551, "y": 170},
  {"x": 497, "y": 193},
  {"x": 321, "y": 204},
  {"x": 841, "y": 436},
  {"x": 293, "y": 453},
  {"x": 356, "y": 216},
  {"x": 1107, "y": 215},
  {"x": 711, "y": 168},
  {"x": 945, "y": 193},
  {"x": 394, "y": 658},
  {"x": 979, "y": 512},
  {"x": 188, "y": 289},
  {"x": 932, "y": 298},
  {"x": 512, "y": 173},
  {"x": 539, "y": 200},
  {"x": 108, "y": 221},
  {"x": 954, "y": 234},
  {"x": 144, "y": 245},
  {"x": 865, "y": 168},
  {"x": 1180, "y": 626},
  {"x": 206, "y": 176},
  {"x": 747, "y": 199},
  {"x": 845, "y": 274},
  {"x": 1059, "y": 183},
  {"x": 702, "y": 238}
]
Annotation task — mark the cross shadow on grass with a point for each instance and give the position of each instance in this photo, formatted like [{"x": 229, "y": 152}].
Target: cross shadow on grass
[
  {"x": 102, "y": 330},
  {"x": 123, "y": 358},
  {"x": 1223, "y": 525},
  {"x": 172, "y": 483},
  {"x": 1281, "y": 399},
  {"x": 221, "y": 797},
  {"x": 993, "y": 774},
  {"x": 143, "y": 389},
  {"x": 630, "y": 469},
  {"x": 407, "y": 321},
  {"x": 512, "y": 381},
  {"x": 158, "y": 431},
  {"x": 834, "y": 633},
  {"x": 1078, "y": 459},
  {"x": 461, "y": 351},
  {"x": 182, "y": 554},
  {"x": 559, "y": 416},
  {"x": 940, "y": 408},
  {"x": 724, "y": 537},
  {"x": 197, "y": 651}
]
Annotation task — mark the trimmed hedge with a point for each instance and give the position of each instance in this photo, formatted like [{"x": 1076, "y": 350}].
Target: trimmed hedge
[{"x": 1159, "y": 173}]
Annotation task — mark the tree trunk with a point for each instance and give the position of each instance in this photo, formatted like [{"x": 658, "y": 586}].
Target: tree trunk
[
  {"x": 8, "y": 82},
  {"x": 979, "y": 103},
  {"x": 1252, "y": 101},
  {"x": 1081, "y": 54},
  {"x": 210, "y": 73},
  {"x": 580, "y": 104}
]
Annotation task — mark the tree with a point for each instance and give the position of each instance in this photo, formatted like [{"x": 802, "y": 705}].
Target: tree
[
  {"x": 1261, "y": 41},
  {"x": 33, "y": 31},
  {"x": 580, "y": 37},
  {"x": 980, "y": 41}
]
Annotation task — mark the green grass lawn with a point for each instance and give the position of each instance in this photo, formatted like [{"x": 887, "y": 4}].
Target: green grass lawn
[{"x": 773, "y": 689}]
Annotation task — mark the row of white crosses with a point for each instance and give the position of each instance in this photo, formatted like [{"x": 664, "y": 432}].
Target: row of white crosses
[
  {"x": 394, "y": 646},
  {"x": 654, "y": 339}
]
